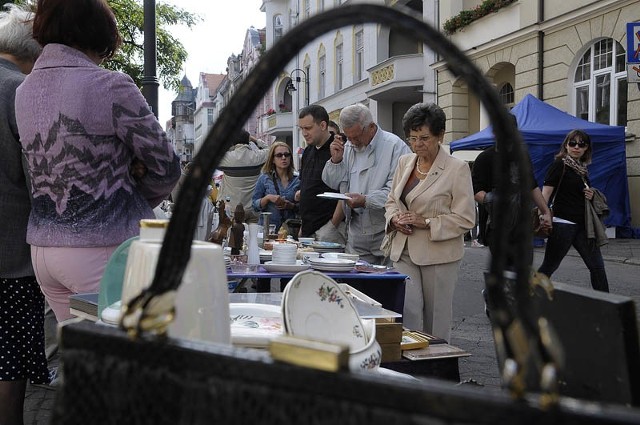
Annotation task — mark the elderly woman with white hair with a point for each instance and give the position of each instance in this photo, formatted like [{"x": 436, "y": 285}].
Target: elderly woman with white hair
[{"x": 21, "y": 301}]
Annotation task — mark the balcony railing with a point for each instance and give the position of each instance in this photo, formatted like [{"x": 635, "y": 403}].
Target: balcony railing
[
  {"x": 397, "y": 75},
  {"x": 278, "y": 124}
]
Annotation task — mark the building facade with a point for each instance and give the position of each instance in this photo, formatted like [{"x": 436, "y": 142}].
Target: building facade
[
  {"x": 571, "y": 54},
  {"x": 181, "y": 131},
  {"x": 205, "y": 107},
  {"x": 361, "y": 63},
  {"x": 195, "y": 110}
]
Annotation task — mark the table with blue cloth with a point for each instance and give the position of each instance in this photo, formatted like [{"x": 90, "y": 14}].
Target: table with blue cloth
[{"x": 386, "y": 288}]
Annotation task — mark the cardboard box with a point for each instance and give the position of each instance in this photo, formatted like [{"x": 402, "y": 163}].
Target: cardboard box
[
  {"x": 388, "y": 332},
  {"x": 391, "y": 352}
]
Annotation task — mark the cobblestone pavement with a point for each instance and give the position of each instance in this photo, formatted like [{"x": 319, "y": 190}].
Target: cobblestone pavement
[{"x": 472, "y": 332}]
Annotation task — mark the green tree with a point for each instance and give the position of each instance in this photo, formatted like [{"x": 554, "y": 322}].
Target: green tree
[
  {"x": 130, "y": 58},
  {"x": 171, "y": 53}
]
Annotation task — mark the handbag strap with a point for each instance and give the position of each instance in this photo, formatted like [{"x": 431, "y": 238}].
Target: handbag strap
[
  {"x": 275, "y": 183},
  {"x": 553, "y": 199}
]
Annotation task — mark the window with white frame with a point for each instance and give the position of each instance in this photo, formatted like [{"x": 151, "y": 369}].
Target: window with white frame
[
  {"x": 339, "y": 67},
  {"x": 322, "y": 76},
  {"x": 600, "y": 84},
  {"x": 209, "y": 116},
  {"x": 278, "y": 28},
  {"x": 359, "y": 55}
]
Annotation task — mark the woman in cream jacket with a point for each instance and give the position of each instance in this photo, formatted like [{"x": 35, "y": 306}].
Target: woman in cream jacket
[{"x": 431, "y": 206}]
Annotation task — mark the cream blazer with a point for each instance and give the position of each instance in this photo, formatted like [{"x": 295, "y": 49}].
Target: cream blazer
[{"x": 446, "y": 197}]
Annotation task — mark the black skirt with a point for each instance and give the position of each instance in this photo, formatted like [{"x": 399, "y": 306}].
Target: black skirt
[{"x": 22, "y": 331}]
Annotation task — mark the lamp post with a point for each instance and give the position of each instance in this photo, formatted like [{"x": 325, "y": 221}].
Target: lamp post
[
  {"x": 290, "y": 88},
  {"x": 149, "y": 80}
]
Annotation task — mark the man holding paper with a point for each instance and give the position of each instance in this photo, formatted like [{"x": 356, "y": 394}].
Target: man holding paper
[
  {"x": 319, "y": 219},
  {"x": 363, "y": 167}
]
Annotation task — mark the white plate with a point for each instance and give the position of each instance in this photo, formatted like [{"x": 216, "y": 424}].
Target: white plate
[
  {"x": 339, "y": 262},
  {"x": 254, "y": 325},
  {"x": 333, "y": 268},
  {"x": 270, "y": 266},
  {"x": 333, "y": 195},
  {"x": 341, "y": 255},
  {"x": 316, "y": 308}
]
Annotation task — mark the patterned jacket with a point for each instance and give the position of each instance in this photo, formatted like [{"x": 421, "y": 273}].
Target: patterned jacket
[{"x": 81, "y": 127}]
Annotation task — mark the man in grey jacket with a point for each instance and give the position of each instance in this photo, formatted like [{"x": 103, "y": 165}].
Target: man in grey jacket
[{"x": 363, "y": 167}]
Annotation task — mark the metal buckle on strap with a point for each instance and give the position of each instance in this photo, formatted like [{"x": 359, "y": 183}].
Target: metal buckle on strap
[{"x": 148, "y": 313}]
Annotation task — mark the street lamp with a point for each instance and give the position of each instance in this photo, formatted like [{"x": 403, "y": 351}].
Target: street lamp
[
  {"x": 149, "y": 79},
  {"x": 291, "y": 88}
]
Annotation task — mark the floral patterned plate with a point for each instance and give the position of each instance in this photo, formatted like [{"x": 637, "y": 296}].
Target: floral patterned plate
[
  {"x": 254, "y": 325},
  {"x": 315, "y": 307}
]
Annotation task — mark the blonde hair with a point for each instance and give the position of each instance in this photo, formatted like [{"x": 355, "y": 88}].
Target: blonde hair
[{"x": 268, "y": 166}]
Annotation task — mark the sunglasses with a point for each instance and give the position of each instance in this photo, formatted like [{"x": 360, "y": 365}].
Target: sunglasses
[
  {"x": 573, "y": 144},
  {"x": 282, "y": 155}
]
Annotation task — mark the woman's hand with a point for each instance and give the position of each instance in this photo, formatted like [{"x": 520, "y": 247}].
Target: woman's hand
[
  {"x": 412, "y": 219},
  {"x": 546, "y": 220},
  {"x": 138, "y": 170},
  {"x": 285, "y": 205},
  {"x": 270, "y": 198},
  {"x": 588, "y": 193},
  {"x": 402, "y": 228}
]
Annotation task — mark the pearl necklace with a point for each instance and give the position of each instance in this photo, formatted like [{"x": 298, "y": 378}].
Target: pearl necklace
[{"x": 418, "y": 168}]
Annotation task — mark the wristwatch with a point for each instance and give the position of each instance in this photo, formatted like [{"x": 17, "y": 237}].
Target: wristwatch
[{"x": 427, "y": 222}]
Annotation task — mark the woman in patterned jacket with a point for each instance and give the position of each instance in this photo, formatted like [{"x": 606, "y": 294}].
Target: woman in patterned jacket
[{"x": 97, "y": 157}]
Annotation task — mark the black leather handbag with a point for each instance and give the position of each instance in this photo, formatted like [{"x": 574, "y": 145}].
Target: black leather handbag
[{"x": 135, "y": 375}]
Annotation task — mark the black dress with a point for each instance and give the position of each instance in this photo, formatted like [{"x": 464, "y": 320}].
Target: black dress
[{"x": 22, "y": 353}]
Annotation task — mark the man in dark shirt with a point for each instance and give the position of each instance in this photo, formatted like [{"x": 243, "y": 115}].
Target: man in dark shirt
[
  {"x": 317, "y": 214},
  {"x": 485, "y": 176}
]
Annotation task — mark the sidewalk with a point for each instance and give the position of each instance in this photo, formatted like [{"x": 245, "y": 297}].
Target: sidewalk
[{"x": 471, "y": 333}]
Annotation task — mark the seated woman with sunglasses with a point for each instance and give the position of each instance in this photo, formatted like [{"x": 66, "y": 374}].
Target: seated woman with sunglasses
[
  {"x": 277, "y": 186},
  {"x": 567, "y": 187}
]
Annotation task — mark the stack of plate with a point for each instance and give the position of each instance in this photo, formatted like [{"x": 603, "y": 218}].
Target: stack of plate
[
  {"x": 227, "y": 261},
  {"x": 319, "y": 246},
  {"x": 299, "y": 265},
  {"x": 332, "y": 264},
  {"x": 284, "y": 253},
  {"x": 341, "y": 255}
]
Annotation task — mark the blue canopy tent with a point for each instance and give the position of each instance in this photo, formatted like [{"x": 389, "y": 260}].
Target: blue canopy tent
[{"x": 543, "y": 129}]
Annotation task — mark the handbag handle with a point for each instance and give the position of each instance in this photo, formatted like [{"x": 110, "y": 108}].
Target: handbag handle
[{"x": 152, "y": 310}]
